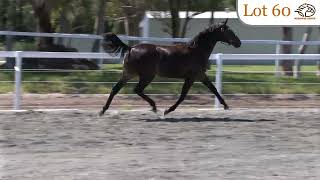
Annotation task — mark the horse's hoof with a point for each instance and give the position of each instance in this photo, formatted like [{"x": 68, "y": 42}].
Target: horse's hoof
[
  {"x": 166, "y": 112},
  {"x": 101, "y": 113},
  {"x": 154, "y": 110},
  {"x": 226, "y": 107}
]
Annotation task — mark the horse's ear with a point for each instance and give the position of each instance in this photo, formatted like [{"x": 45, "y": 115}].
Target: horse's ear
[{"x": 225, "y": 23}]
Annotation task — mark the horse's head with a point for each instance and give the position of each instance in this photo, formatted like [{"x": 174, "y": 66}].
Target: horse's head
[{"x": 223, "y": 33}]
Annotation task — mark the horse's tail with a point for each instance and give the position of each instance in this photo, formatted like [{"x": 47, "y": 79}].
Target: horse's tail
[{"x": 113, "y": 44}]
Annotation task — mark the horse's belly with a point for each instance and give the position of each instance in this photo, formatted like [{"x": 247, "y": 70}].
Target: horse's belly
[
  {"x": 171, "y": 74},
  {"x": 178, "y": 66},
  {"x": 173, "y": 71}
]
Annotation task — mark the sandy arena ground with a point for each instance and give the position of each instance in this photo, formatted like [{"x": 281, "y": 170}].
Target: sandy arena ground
[{"x": 136, "y": 145}]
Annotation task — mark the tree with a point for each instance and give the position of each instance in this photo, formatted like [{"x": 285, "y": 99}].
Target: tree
[
  {"x": 177, "y": 27},
  {"x": 187, "y": 19},
  {"x": 301, "y": 50},
  {"x": 42, "y": 12},
  {"x": 287, "y": 65},
  {"x": 215, "y": 5},
  {"x": 175, "y": 6},
  {"x": 133, "y": 11},
  {"x": 14, "y": 16},
  {"x": 3, "y": 14},
  {"x": 128, "y": 13},
  {"x": 99, "y": 25},
  {"x": 10, "y": 23},
  {"x": 83, "y": 16}
]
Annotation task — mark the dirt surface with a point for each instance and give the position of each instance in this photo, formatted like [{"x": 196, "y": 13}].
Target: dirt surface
[
  {"x": 94, "y": 101},
  {"x": 236, "y": 144}
]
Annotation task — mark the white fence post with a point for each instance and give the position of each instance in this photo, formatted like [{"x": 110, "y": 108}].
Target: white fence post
[
  {"x": 17, "y": 80},
  {"x": 219, "y": 64}
]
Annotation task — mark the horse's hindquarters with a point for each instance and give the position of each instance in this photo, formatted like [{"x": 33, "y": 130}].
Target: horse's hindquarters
[{"x": 142, "y": 60}]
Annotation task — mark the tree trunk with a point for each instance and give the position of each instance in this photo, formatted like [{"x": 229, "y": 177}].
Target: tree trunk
[
  {"x": 185, "y": 24},
  {"x": 287, "y": 65},
  {"x": 42, "y": 12},
  {"x": 187, "y": 20},
  {"x": 133, "y": 15},
  {"x": 10, "y": 24},
  {"x": 4, "y": 12},
  {"x": 174, "y": 6},
  {"x": 10, "y": 62},
  {"x": 65, "y": 25},
  {"x": 211, "y": 18},
  {"x": 99, "y": 20},
  {"x": 99, "y": 23},
  {"x": 301, "y": 50},
  {"x": 133, "y": 11},
  {"x": 19, "y": 16}
]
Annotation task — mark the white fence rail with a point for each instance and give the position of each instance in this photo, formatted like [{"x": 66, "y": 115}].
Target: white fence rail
[
  {"x": 153, "y": 39},
  {"x": 219, "y": 58}
]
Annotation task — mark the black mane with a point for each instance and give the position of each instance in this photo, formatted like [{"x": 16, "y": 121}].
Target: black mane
[{"x": 203, "y": 35}]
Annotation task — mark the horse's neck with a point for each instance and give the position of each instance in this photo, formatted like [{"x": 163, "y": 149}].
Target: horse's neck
[
  {"x": 207, "y": 48},
  {"x": 206, "y": 43}
]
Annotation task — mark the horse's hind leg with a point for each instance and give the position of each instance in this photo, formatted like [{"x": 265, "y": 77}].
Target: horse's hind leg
[
  {"x": 143, "y": 83},
  {"x": 185, "y": 89},
  {"x": 206, "y": 81},
  {"x": 114, "y": 91}
]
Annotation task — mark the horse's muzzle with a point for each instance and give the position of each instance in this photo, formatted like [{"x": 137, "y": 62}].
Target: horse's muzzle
[{"x": 236, "y": 44}]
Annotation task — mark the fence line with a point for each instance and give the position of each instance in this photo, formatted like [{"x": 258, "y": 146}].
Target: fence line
[
  {"x": 152, "y": 39},
  {"x": 120, "y": 71},
  {"x": 56, "y": 35},
  {"x": 72, "y": 55},
  {"x": 277, "y": 43},
  {"x": 19, "y": 55}
]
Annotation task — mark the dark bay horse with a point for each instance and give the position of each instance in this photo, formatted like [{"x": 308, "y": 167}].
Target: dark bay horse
[{"x": 188, "y": 61}]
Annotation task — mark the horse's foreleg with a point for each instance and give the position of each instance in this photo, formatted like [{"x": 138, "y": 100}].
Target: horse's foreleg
[
  {"x": 143, "y": 83},
  {"x": 186, "y": 86},
  {"x": 206, "y": 81},
  {"x": 114, "y": 91}
]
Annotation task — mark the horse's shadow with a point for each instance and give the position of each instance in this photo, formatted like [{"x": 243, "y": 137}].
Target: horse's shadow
[{"x": 206, "y": 119}]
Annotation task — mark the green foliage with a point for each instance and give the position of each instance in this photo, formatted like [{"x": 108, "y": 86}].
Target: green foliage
[
  {"x": 1, "y": 46},
  {"x": 23, "y": 45},
  {"x": 16, "y": 15}
]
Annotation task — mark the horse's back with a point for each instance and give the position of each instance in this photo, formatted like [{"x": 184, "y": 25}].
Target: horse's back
[{"x": 142, "y": 60}]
